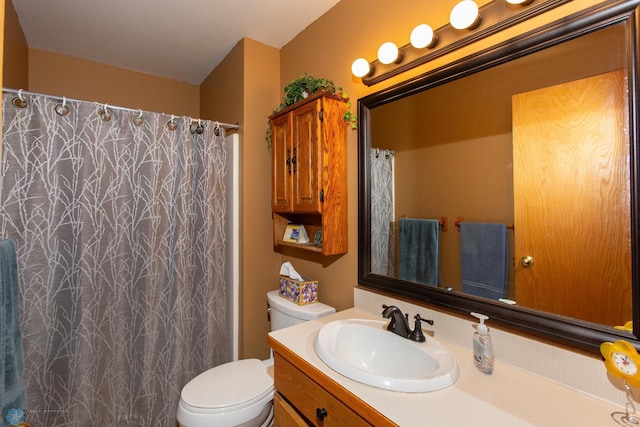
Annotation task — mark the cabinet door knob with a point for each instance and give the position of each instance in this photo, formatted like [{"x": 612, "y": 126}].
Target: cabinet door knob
[{"x": 321, "y": 413}]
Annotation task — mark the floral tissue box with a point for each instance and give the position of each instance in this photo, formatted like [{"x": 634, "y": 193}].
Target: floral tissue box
[{"x": 301, "y": 292}]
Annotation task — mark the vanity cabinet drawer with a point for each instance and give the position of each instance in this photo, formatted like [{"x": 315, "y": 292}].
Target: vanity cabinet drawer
[
  {"x": 285, "y": 415},
  {"x": 313, "y": 402}
]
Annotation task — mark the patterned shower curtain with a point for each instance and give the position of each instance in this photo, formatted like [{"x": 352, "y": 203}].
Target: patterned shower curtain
[
  {"x": 119, "y": 224},
  {"x": 382, "y": 213}
]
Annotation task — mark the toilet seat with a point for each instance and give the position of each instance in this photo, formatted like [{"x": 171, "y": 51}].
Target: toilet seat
[
  {"x": 229, "y": 387},
  {"x": 240, "y": 394}
]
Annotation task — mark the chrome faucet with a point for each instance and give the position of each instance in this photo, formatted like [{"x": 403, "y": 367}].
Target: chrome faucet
[{"x": 399, "y": 323}]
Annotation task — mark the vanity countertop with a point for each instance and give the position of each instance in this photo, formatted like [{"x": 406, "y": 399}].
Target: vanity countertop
[{"x": 508, "y": 397}]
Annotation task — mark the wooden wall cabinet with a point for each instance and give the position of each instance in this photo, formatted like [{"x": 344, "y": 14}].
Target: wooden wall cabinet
[{"x": 309, "y": 171}]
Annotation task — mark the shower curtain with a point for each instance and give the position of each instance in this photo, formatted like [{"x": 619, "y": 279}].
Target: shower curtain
[
  {"x": 119, "y": 224},
  {"x": 382, "y": 213}
]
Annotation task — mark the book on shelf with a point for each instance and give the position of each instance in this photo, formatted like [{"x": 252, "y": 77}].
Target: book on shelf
[{"x": 295, "y": 233}]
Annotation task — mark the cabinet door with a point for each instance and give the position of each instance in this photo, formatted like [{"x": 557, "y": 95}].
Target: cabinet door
[
  {"x": 281, "y": 165},
  {"x": 307, "y": 159}
]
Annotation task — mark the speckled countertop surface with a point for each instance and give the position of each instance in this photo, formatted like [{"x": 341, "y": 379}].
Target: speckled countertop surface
[{"x": 508, "y": 397}]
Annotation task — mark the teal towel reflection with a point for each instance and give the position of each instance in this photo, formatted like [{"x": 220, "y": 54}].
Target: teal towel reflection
[{"x": 419, "y": 251}]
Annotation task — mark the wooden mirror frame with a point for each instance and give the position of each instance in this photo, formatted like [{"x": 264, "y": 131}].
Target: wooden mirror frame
[{"x": 567, "y": 331}]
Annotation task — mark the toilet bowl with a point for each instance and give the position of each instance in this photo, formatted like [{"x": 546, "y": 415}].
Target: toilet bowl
[
  {"x": 240, "y": 393},
  {"x": 215, "y": 397}
]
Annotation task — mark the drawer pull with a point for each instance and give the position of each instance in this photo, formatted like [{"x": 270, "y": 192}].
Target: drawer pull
[{"x": 321, "y": 413}]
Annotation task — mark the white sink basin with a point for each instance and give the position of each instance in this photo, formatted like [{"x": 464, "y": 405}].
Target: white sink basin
[{"x": 364, "y": 351}]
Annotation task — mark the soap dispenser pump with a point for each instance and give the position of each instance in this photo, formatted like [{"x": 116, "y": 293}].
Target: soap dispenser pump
[{"x": 482, "y": 347}]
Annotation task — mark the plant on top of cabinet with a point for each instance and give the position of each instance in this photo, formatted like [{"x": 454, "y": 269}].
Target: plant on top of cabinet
[
  {"x": 304, "y": 86},
  {"x": 309, "y": 172}
]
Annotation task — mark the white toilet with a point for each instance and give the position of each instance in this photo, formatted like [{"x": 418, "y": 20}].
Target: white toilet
[{"x": 240, "y": 393}]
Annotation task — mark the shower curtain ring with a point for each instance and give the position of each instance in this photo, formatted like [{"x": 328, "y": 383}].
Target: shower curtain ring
[
  {"x": 171, "y": 124},
  {"x": 199, "y": 128},
  {"x": 104, "y": 113},
  {"x": 138, "y": 120},
  {"x": 62, "y": 109},
  {"x": 19, "y": 101}
]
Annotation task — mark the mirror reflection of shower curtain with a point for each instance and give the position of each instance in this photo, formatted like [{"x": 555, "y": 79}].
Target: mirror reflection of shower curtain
[
  {"x": 120, "y": 233},
  {"x": 382, "y": 213}
]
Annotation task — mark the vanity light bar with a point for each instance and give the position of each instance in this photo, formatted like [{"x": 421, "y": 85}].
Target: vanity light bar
[{"x": 425, "y": 46}]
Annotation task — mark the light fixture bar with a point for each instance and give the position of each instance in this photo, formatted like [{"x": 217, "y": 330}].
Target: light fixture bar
[{"x": 495, "y": 16}]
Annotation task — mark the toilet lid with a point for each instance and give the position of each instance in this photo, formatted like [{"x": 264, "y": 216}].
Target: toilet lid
[{"x": 231, "y": 384}]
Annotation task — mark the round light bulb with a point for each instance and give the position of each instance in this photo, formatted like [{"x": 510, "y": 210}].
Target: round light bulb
[
  {"x": 422, "y": 36},
  {"x": 388, "y": 53},
  {"x": 360, "y": 67},
  {"x": 464, "y": 15}
]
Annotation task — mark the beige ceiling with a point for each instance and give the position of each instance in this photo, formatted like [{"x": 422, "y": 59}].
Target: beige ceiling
[{"x": 179, "y": 39}]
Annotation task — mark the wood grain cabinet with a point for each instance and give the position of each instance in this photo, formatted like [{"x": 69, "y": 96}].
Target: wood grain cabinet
[
  {"x": 300, "y": 401},
  {"x": 309, "y": 171}
]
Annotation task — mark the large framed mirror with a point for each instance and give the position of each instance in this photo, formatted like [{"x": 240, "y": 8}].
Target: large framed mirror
[{"x": 518, "y": 166}]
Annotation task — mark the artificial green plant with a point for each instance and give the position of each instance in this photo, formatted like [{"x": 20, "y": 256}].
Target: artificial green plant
[{"x": 304, "y": 86}]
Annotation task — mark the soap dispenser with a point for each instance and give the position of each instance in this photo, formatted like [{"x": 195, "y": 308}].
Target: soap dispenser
[{"x": 482, "y": 347}]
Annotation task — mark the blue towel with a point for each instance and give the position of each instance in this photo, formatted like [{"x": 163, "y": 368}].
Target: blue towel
[
  {"x": 12, "y": 361},
  {"x": 419, "y": 251},
  {"x": 484, "y": 259}
]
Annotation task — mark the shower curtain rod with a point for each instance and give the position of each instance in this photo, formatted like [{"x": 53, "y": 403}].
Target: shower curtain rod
[{"x": 233, "y": 126}]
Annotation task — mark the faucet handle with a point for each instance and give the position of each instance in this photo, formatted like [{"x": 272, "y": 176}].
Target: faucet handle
[
  {"x": 417, "y": 334},
  {"x": 417, "y": 317}
]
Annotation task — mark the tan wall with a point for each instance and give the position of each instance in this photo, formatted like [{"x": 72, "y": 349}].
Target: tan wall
[
  {"x": 16, "y": 58},
  {"x": 244, "y": 88},
  {"x": 260, "y": 263},
  {"x": 326, "y": 48},
  {"x": 62, "y": 75},
  {"x": 221, "y": 92}
]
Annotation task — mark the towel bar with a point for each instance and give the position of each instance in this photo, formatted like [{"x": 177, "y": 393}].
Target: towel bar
[
  {"x": 460, "y": 219},
  {"x": 443, "y": 221}
]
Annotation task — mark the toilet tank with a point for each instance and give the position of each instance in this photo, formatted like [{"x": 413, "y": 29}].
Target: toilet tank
[{"x": 286, "y": 313}]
